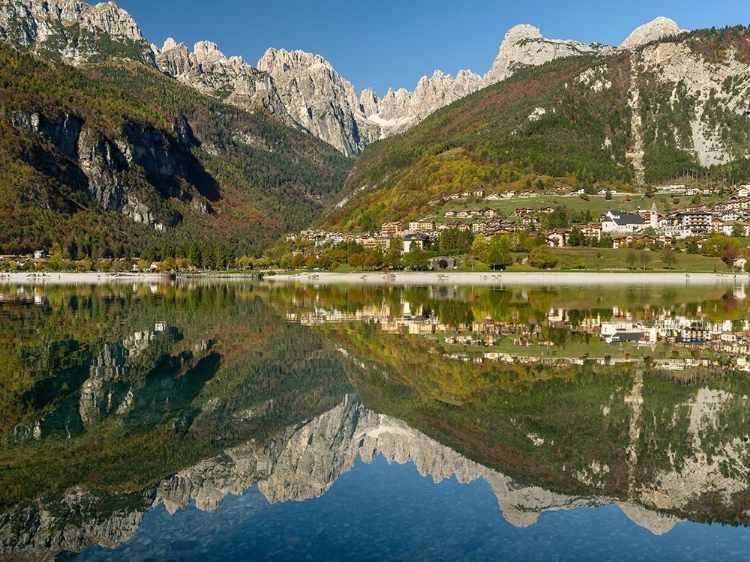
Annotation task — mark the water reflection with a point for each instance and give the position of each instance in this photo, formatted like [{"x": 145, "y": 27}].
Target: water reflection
[
  {"x": 118, "y": 399},
  {"x": 569, "y": 324}
]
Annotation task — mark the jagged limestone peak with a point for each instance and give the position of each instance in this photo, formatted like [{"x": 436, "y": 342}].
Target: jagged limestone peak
[
  {"x": 655, "y": 30},
  {"x": 524, "y": 45},
  {"x": 520, "y": 33},
  {"x": 276, "y": 61},
  {"x": 169, "y": 44},
  {"x": 57, "y": 26},
  {"x": 207, "y": 52}
]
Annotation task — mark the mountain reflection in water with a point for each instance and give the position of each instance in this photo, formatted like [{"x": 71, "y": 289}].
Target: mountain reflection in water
[{"x": 117, "y": 400}]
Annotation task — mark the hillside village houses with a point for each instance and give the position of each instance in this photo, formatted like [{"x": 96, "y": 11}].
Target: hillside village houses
[{"x": 648, "y": 226}]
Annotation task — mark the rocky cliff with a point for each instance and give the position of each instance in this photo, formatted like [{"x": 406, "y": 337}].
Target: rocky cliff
[
  {"x": 72, "y": 30},
  {"x": 319, "y": 99},
  {"x": 326, "y": 104},
  {"x": 104, "y": 164},
  {"x": 711, "y": 88},
  {"x": 210, "y": 72},
  {"x": 525, "y": 46},
  {"x": 399, "y": 110}
]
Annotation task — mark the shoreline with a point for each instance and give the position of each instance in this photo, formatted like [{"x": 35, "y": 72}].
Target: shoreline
[
  {"x": 513, "y": 278},
  {"x": 85, "y": 278},
  {"x": 393, "y": 278}
]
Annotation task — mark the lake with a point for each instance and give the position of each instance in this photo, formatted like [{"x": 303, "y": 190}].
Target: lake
[{"x": 233, "y": 420}]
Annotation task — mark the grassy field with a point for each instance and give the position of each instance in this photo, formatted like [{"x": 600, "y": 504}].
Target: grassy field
[
  {"x": 609, "y": 259},
  {"x": 606, "y": 259}
]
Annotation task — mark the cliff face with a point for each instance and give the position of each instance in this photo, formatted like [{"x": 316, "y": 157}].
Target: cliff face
[
  {"x": 72, "y": 30},
  {"x": 399, "y": 110},
  {"x": 319, "y": 99},
  {"x": 108, "y": 168},
  {"x": 327, "y": 105},
  {"x": 713, "y": 93}
]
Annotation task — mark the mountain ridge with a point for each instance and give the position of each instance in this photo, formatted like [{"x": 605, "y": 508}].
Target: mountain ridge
[
  {"x": 299, "y": 89},
  {"x": 621, "y": 120}
]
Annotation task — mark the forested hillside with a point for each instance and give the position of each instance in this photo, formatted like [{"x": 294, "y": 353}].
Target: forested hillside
[
  {"x": 624, "y": 120},
  {"x": 111, "y": 159}
]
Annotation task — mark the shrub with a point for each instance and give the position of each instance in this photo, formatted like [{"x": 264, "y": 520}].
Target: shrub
[{"x": 543, "y": 258}]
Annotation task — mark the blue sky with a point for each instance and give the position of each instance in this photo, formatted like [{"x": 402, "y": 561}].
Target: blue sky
[{"x": 392, "y": 43}]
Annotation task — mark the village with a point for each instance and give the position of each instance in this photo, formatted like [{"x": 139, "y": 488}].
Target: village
[{"x": 642, "y": 228}]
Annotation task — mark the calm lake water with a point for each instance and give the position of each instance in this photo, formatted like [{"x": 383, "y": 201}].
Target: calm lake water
[{"x": 235, "y": 421}]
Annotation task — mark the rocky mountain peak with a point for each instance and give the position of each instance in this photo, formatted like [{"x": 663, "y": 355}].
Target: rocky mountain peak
[
  {"x": 524, "y": 46},
  {"x": 170, "y": 44},
  {"x": 655, "y": 30},
  {"x": 56, "y": 26},
  {"x": 207, "y": 52},
  {"x": 520, "y": 33},
  {"x": 319, "y": 99},
  {"x": 277, "y": 61},
  {"x": 208, "y": 70}
]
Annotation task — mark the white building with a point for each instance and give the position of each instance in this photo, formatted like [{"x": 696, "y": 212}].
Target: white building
[{"x": 619, "y": 222}]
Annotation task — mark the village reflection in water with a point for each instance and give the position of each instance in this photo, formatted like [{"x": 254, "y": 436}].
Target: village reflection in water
[
  {"x": 645, "y": 321},
  {"x": 120, "y": 400}
]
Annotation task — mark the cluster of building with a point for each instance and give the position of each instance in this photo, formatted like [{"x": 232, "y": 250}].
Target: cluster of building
[
  {"x": 26, "y": 261},
  {"x": 648, "y": 226}
]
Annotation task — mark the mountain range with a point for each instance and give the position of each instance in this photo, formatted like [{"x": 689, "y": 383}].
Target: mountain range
[
  {"x": 297, "y": 87},
  {"x": 241, "y": 161}
]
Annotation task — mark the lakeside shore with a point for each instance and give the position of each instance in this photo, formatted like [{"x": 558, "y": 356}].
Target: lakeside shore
[
  {"x": 513, "y": 278},
  {"x": 394, "y": 278},
  {"x": 85, "y": 278}
]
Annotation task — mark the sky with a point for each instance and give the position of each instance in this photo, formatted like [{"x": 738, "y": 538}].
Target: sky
[{"x": 393, "y": 43}]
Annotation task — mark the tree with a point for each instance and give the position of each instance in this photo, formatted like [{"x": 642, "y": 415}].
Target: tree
[
  {"x": 373, "y": 260},
  {"x": 356, "y": 260},
  {"x": 738, "y": 231},
  {"x": 542, "y": 257},
  {"x": 498, "y": 252},
  {"x": 454, "y": 241},
  {"x": 416, "y": 259},
  {"x": 668, "y": 257},
  {"x": 645, "y": 260},
  {"x": 393, "y": 258},
  {"x": 576, "y": 237},
  {"x": 631, "y": 259},
  {"x": 479, "y": 248},
  {"x": 559, "y": 218},
  {"x": 724, "y": 247}
]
